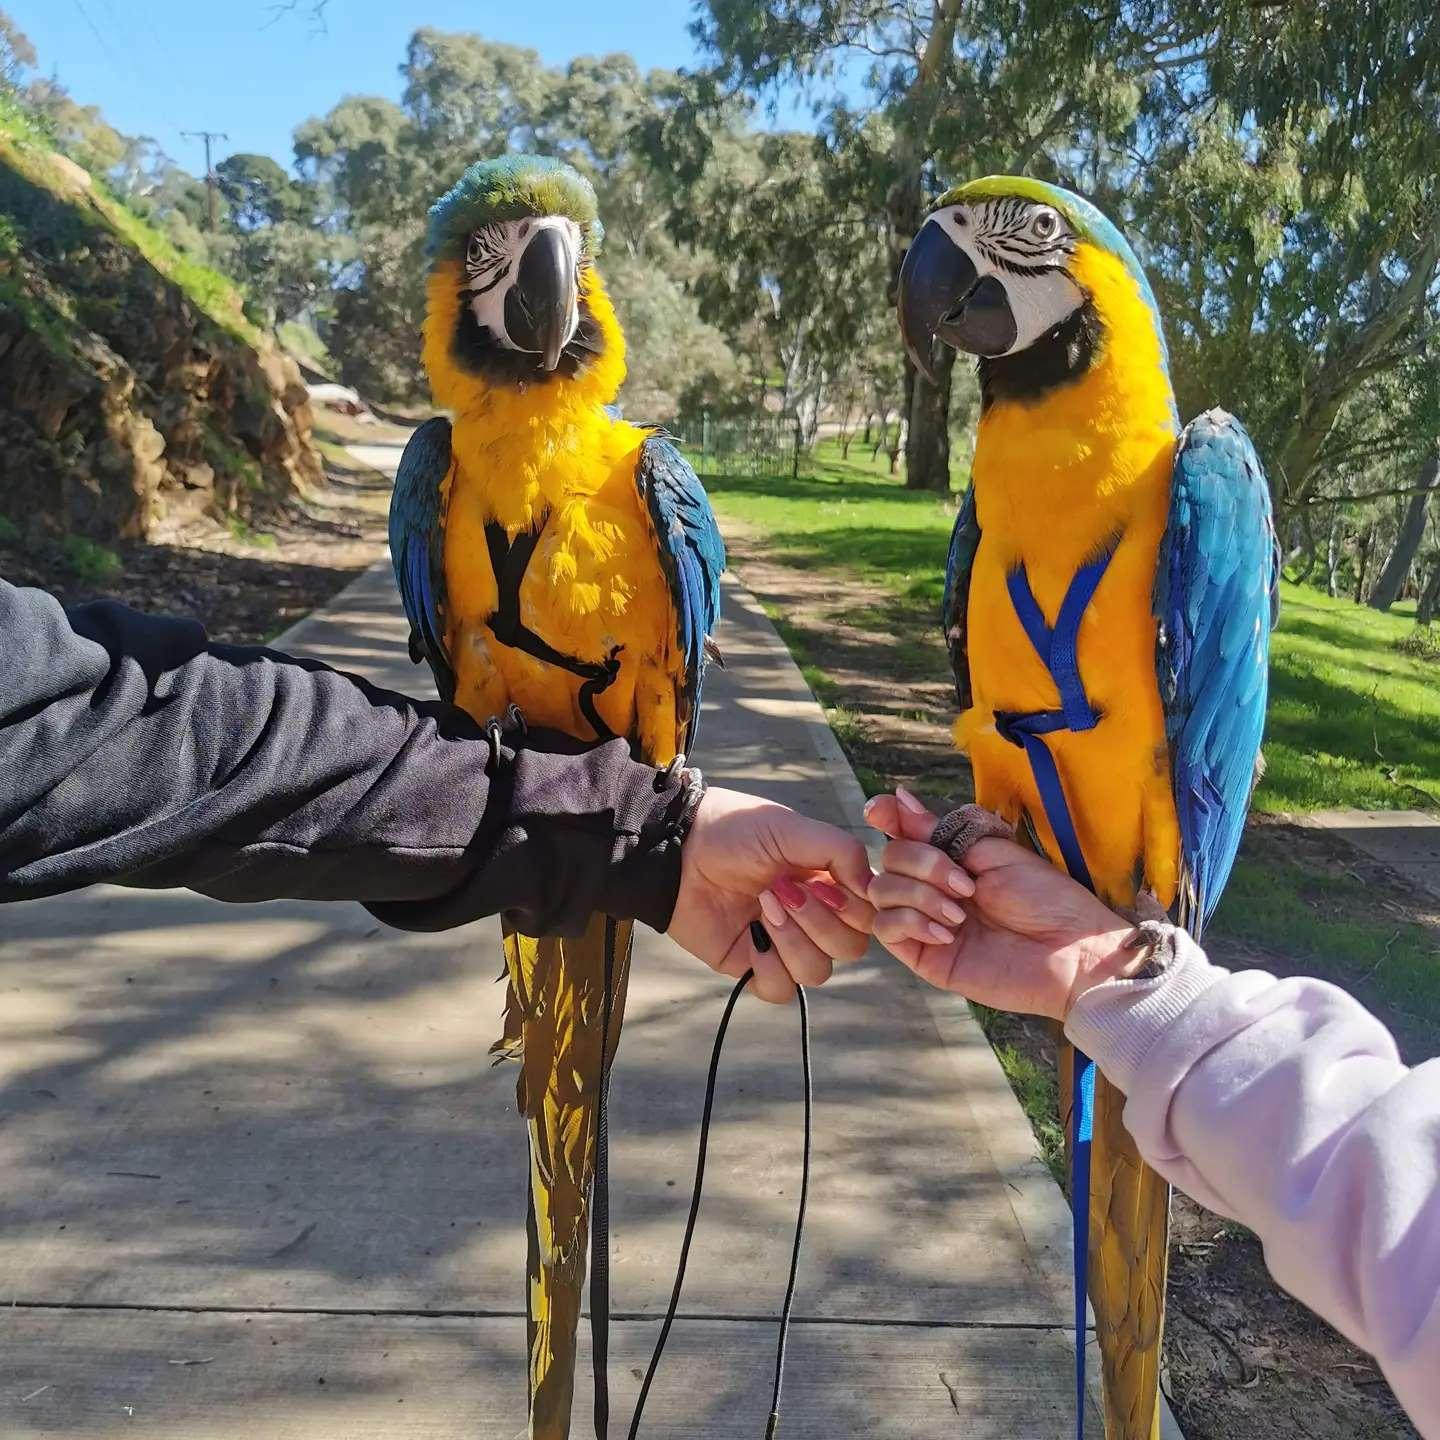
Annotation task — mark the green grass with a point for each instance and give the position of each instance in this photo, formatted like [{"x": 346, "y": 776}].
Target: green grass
[
  {"x": 88, "y": 562},
  {"x": 1034, "y": 1088},
  {"x": 1354, "y": 721},
  {"x": 1354, "y": 718},
  {"x": 1310, "y": 917},
  {"x": 25, "y": 146}
]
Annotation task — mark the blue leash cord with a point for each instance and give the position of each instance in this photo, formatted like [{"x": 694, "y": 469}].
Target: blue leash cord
[
  {"x": 1056, "y": 648},
  {"x": 1083, "y": 1104}
]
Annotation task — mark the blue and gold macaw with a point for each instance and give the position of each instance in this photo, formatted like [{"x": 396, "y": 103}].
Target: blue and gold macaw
[
  {"x": 553, "y": 557},
  {"x": 1110, "y": 592}
]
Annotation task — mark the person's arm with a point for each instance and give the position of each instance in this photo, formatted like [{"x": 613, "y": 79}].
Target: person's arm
[
  {"x": 133, "y": 750},
  {"x": 1280, "y": 1103}
]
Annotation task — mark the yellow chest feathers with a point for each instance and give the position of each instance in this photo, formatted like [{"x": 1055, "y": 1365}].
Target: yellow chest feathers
[{"x": 1083, "y": 469}]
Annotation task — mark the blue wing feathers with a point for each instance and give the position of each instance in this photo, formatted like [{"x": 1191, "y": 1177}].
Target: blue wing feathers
[
  {"x": 417, "y": 532},
  {"x": 692, "y": 555},
  {"x": 1216, "y": 590}
]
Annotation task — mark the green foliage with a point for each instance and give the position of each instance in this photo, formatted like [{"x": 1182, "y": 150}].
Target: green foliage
[
  {"x": 89, "y": 563},
  {"x": 1275, "y": 167},
  {"x": 9, "y": 531},
  {"x": 1422, "y": 643},
  {"x": 229, "y": 460},
  {"x": 212, "y": 293}
]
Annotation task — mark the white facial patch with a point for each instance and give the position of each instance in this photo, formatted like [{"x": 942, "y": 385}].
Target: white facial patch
[
  {"x": 492, "y": 266},
  {"x": 1027, "y": 246}
]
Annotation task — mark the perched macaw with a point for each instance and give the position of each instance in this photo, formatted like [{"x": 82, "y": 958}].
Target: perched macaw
[
  {"x": 1110, "y": 591},
  {"x": 553, "y": 557}
]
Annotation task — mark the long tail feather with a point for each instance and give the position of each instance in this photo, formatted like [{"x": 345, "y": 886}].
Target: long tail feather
[
  {"x": 554, "y": 1006},
  {"x": 1129, "y": 1253}
]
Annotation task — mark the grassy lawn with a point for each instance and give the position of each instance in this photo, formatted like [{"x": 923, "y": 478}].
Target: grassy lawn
[{"x": 1353, "y": 723}]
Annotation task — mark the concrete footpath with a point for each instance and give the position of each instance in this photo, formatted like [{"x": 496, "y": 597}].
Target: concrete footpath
[{"x": 261, "y": 1179}]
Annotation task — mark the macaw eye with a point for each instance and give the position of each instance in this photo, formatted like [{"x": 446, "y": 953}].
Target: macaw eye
[
  {"x": 1045, "y": 224},
  {"x": 475, "y": 251}
]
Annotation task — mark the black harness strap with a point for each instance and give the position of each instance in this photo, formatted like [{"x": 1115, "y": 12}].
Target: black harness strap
[{"x": 509, "y": 559}]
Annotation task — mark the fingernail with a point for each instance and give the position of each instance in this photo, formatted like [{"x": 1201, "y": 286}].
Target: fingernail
[
  {"x": 960, "y": 882},
  {"x": 827, "y": 894},
  {"x": 952, "y": 912},
  {"x": 792, "y": 897},
  {"x": 772, "y": 910},
  {"x": 869, "y": 806},
  {"x": 940, "y": 933},
  {"x": 908, "y": 801}
]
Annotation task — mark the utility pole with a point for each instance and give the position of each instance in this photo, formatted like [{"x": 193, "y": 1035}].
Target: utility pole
[{"x": 211, "y": 183}]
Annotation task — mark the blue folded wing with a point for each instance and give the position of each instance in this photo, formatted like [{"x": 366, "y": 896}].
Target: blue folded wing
[
  {"x": 1216, "y": 600},
  {"x": 417, "y": 539},
  {"x": 692, "y": 555},
  {"x": 964, "y": 541}
]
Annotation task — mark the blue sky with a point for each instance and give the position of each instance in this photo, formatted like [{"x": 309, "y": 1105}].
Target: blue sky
[{"x": 158, "y": 67}]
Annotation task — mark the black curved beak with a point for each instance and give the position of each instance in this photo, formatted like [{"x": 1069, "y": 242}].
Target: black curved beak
[
  {"x": 942, "y": 297},
  {"x": 540, "y": 308}
]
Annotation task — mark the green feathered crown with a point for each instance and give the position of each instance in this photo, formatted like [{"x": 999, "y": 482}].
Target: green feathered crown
[{"x": 512, "y": 187}]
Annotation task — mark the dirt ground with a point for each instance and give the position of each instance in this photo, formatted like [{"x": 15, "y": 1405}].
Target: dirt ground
[
  {"x": 1243, "y": 1360},
  {"x": 244, "y": 583}
]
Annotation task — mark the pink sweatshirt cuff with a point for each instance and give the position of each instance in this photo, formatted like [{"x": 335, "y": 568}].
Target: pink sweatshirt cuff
[{"x": 1116, "y": 1023}]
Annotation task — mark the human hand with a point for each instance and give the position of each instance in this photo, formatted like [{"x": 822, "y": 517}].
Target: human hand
[
  {"x": 1007, "y": 929},
  {"x": 747, "y": 858}
]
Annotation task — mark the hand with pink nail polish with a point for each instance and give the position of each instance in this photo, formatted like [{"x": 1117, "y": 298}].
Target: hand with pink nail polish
[
  {"x": 1007, "y": 929},
  {"x": 746, "y": 859}
]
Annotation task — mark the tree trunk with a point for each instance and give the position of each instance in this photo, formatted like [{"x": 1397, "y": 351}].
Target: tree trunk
[
  {"x": 927, "y": 443},
  {"x": 927, "y": 407},
  {"x": 1362, "y": 560},
  {"x": 1407, "y": 542},
  {"x": 1429, "y": 605},
  {"x": 1333, "y": 547}
]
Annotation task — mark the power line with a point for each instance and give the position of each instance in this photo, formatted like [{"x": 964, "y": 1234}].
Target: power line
[{"x": 99, "y": 38}]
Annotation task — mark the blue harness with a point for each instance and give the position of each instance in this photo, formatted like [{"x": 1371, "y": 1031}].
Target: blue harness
[{"x": 1056, "y": 649}]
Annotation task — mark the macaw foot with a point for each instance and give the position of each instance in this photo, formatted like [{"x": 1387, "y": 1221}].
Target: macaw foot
[
  {"x": 960, "y": 829},
  {"x": 1155, "y": 932}
]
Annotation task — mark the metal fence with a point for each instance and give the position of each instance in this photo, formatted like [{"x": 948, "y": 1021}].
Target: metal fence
[{"x": 752, "y": 445}]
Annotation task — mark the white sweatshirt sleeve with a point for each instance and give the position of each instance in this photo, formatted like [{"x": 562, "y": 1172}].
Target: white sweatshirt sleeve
[{"x": 1284, "y": 1105}]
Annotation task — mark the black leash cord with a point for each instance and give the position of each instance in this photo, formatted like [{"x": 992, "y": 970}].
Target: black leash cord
[
  {"x": 600, "y": 1210},
  {"x": 773, "y": 1422}
]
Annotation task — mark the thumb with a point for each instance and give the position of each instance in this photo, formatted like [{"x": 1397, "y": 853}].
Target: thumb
[
  {"x": 901, "y": 816},
  {"x": 916, "y": 822},
  {"x": 809, "y": 844}
]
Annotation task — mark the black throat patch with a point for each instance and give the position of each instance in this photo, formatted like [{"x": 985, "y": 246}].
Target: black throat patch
[
  {"x": 1058, "y": 358},
  {"x": 478, "y": 353}
]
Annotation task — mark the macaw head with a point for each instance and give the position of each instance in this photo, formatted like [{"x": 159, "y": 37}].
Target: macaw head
[
  {"x": 513, "y": 298},
  {"x": 1030, "y": 278}
]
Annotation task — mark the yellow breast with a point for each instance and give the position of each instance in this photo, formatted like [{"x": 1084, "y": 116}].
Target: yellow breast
[{"x": 1057, "y": 483}]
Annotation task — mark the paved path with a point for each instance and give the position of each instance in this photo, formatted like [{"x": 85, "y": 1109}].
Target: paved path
[
  {"x": 1407, "y": 841},
  {"x": 261, "y": 1179}
]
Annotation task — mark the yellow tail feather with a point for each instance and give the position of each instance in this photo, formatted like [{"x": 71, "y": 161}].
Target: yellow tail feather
[
  {"x": 1129, "y": 1255},
  {"x": 554, "y": 1008}
]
